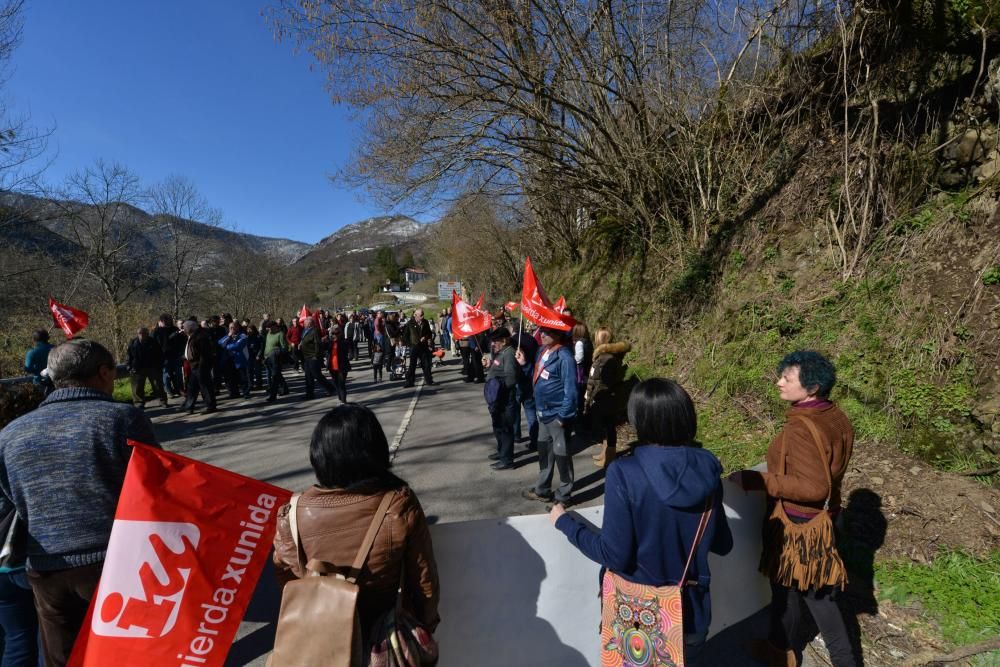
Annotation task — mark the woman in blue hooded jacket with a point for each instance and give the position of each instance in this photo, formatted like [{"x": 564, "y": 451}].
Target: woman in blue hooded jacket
[{"x": 653, "y": 502}]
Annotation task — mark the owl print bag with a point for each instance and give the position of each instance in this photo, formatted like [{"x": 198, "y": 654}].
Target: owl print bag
[{"x": 642, "y": 625}]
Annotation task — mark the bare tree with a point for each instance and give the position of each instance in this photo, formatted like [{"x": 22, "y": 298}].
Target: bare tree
[
  {"x": 176, "y": 204},
  {"x": 478, "y": 240},
  {"x": 570, "y": 104},
  {"x": 250, "y": 284},
  {"x": 100, "y": 214},
  {"x": 21, "y": 144}
]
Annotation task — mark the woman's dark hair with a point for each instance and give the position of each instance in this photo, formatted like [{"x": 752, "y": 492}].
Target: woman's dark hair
[
  {"x": 40, "y": 336},
  {"x": 662, "y": 413},
  {"x": 816, "y": 373},
  {"x": 349, "y": 450}
]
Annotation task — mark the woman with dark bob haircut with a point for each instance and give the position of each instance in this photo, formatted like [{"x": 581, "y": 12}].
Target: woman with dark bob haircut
[
  {"x": 805, "y": 466},
  {"x": 350, "y": 456},
  {"x": 653, "y": 503}
]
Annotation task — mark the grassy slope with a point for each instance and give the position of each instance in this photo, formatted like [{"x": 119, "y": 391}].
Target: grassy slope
[{"x": 913, "y": 357}]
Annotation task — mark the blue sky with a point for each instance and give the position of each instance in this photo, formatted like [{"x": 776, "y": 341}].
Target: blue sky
[{"x": 190, "y": 87}]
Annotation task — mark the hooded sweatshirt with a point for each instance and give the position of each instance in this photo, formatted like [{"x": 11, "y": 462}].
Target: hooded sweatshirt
[{"x": 653, "y": 502}]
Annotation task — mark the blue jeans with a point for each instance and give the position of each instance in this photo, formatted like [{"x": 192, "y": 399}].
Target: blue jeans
[
  {"x": 528, "y": 404},
  {"x": 173, "y": 375},
  {"x": 18, "y": 621}
]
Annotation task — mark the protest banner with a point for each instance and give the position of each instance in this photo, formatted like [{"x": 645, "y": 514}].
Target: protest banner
[{"x": 187, "y": 546}]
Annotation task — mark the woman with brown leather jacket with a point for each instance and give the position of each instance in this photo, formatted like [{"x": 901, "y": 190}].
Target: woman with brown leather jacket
[
  {"x": 806, "y": 463},
  {"x": 350, "y": 455},
  {"x": 603, "y": 387}
]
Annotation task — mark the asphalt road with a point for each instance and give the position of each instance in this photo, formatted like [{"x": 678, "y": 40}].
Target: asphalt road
[{"x": 442, "y": 453}]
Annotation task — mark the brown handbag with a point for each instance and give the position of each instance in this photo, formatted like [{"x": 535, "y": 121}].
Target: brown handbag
[
  {"x": 318, "y": 623},
  {"x": 803, "y": 555}
]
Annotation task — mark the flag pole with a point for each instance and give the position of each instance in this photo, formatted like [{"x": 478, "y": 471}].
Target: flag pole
[{"x": 520, "y": 328}]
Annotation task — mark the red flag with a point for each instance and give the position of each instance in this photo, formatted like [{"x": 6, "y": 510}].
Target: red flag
[
  {"x": 67, "y": 318},
  {"x": 318, "y": 321},
  {"x": 467, "y": 320},
  {"x": 479, "y": 304},
  {"x": 535, "y": 305},
  {"x": 560, "y": 304},
  {"x": 187, "y": 546},
  {"x": 303, "y": 314},
  {"x": 511, "y": 306}
]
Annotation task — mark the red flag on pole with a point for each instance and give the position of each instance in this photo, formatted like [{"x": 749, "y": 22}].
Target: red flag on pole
[
  {"x": 318, "y": 321},
  {"x": 467, "y": 320},
  {"x": 511, "y": 306},
  {"x": 479, "y": 304},
  {"x": 560, "y": 304},
  {"x": 303, "y": 314},
  {"x": 187, "y": 546},
  {"x": 535, "y": 305},
  {"x": 67, "y": 318}
]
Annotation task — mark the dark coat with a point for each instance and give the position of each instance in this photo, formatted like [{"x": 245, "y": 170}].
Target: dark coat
[
  {"x": 200, "y": 349},
  {"x": 144, "y": 355},
  {"x": 606, "y": 378},
  {"x": 418, "y": 335}
]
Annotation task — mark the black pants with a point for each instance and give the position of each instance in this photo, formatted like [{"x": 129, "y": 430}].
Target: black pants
[
  {"x": 314, "y": 374},
  {"x": 423, "y": 355},
  {"x": 466, "y": 362},
  {"x": 476, "y": 363},
  {"x": 274, "y": 377},
  {"x": 200, "y": 380},
  {"x": 503, "y": 427},
  {"x": 61, "y": 600},
  {"x": 788, "y": 608},
  {"x": 340, "y": 382}
]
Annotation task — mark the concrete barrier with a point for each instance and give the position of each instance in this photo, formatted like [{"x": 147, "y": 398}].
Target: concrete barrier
[
  {"x": 516, "y": 592},
  {"x": 121, "y": 370}
]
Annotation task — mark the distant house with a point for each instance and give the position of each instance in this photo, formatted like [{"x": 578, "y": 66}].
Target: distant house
[{"x": 412, "y": 276}]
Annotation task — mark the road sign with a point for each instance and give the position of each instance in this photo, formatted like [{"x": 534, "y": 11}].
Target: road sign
[{"x": 446, "y": 286}]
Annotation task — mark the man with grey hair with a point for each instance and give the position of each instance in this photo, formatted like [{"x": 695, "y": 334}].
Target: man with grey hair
[
  {"x": 62, "y": 467},
  {"x": 418, "y": 335}
]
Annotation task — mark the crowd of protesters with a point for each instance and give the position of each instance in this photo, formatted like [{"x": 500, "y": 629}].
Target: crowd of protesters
[
  {"x": 663, "y": 494},
  {"x": 220, "y": 356}
]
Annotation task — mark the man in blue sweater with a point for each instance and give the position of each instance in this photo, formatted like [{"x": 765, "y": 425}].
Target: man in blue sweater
[
  {"x": 62, "y": 468},
  {"x": 554, "y": 380}
]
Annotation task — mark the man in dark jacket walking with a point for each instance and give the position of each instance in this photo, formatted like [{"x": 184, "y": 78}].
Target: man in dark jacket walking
[
  {"x": 145, "y": 362},
  {"x": 200, "y": 353},
  {"x": 171, "y": 341},
  {"x": 73, "y": 447},
  {"x": 311, "y": 348},
  {"x": 420, "y": 338}
]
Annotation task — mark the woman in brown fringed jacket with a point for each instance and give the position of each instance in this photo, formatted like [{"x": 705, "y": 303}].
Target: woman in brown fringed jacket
[{"x": 805, "y": 465}]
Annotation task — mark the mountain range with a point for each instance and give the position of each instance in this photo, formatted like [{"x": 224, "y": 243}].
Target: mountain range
[{"x": 337, "y": 265}]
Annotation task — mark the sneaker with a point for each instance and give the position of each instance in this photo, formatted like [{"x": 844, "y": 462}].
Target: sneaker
[{"x": 531, "y": 495}]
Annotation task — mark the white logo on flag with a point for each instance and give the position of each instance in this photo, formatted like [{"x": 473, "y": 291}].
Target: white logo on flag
[{"x": 144, "y": 578}]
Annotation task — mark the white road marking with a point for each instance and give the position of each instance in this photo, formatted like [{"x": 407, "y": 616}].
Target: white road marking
[{"x": 398, "y": 440}]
